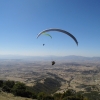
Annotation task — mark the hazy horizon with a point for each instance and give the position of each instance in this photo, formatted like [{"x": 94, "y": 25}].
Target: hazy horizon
[{"x": 50, "y": 57}]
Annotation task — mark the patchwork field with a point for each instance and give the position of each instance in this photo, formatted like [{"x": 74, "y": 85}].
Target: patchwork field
[{"x": 73, "y": 75}]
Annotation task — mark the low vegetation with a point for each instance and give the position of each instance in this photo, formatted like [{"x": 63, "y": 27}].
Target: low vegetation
[
  {"x": 9, "y": 96},
  {"x": 39, "y": 91}
]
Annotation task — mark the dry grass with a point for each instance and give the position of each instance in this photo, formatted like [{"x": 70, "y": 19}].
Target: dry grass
[{"x": 9, "y": 96}]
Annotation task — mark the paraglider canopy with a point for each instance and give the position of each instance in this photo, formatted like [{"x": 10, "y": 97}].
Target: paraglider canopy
[
  {"x": 53, "y": 62},
  {"x": 48, "y": 35},
  {"x": 59, "y": 30}
]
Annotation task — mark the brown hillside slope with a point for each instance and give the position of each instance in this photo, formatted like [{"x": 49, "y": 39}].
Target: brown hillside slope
[{"x": 9, "y": 96}]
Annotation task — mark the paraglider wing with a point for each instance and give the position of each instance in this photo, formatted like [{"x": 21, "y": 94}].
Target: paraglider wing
[
  {"x": 53, "y": 62},
  {"x": 47, "y": 34},
  {"x": 60, "y": 30}
]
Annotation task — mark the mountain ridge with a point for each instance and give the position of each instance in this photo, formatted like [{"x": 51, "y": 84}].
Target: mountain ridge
[{"x": 46, "y": 58}]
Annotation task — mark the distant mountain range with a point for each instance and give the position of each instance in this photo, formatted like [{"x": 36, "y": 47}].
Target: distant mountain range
[{"x": 61, "y": 58}]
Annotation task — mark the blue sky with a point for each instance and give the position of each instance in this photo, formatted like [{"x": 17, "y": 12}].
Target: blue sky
[{"x": 22, "y": 20}]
